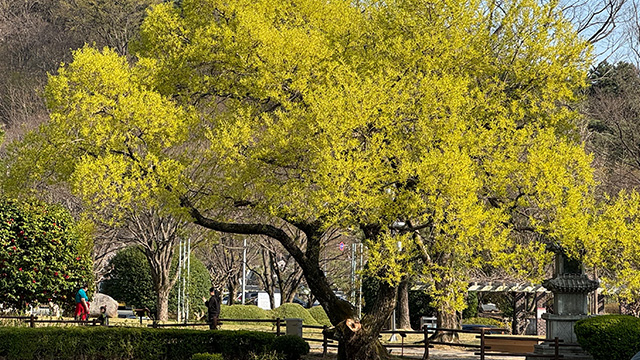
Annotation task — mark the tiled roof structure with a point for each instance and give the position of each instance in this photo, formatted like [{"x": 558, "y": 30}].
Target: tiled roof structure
[{"x": 571, "y": 283}]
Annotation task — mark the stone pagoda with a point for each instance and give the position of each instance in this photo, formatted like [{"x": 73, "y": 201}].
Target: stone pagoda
[{"x": 570, "y": 287}]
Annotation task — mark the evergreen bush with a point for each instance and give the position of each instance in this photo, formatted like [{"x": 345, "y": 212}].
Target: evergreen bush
[
  {"x": 420, "y": 304},
  {"x": 198, "y": 287},
  {"x": 471, "y": 311},
  {"x": 129, "y": 280},
  {"x": 609, "y": 337},
  {"x": 44, "y": 254},
  {"x": 291, "y": 347}
]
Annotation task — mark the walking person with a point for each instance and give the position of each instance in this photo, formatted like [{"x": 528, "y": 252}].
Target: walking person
[
  {"x": 213, "y": 308},
  {"x": 82, "y": 303}
]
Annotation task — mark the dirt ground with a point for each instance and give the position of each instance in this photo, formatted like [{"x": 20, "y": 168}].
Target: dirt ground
[{"x": 440, "y": 353}]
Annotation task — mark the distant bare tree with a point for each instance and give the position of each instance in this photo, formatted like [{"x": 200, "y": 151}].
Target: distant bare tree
[
  {"x": 103, "y": 22},
  {"x": 158, "y": 236},
  {"x": 606, "y": 24},
  {"x": 278, "y": 270},
  {"x": 613, "y": 110},
  {"x": 223, "y": 259},
  {"x": 32, "y": 43},
  {"x": 596, "y": 20},
  {"x": 36, "y": 36},
  {"x": 107, "y": 242},
  {"x": 633, "y": 31}
]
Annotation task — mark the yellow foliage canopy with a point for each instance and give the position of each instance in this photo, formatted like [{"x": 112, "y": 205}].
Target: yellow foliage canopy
[{"x": 449, "y": 116}]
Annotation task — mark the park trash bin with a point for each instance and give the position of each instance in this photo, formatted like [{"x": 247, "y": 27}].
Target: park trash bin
[{"x": 294, "y": 327}]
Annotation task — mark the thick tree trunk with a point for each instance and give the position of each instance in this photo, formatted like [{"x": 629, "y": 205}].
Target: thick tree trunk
[
  {"x": 403, "y": 320},
  {"x": 163, "y": 281},
  {"x": 162, "y": 285},
  {"x": 358, "y": 340},
  {"x": 362, "y": 345},
  {"x": 157, "y": 235},
  {"x": 361, "y": 342},
  {"x": 447, "y": 319},
  {"x": 231, "y": 287},
  {"x": 163, "y": 305}
]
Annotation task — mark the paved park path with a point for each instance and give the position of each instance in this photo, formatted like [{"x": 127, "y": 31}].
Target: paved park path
[
  {"x": 434, "y": 354},
  {"x": 450, "y": 354}
]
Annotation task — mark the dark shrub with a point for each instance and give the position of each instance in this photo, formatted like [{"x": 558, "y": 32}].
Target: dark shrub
[
  {"x": 130, "y": 279},
  {"x": 128, "y": 343},
  {"x": 292, "y": 347},
  {"x": 609, "y": 337},
  {"x": 471, "y": 311},
  {"x": 240, "y": 344},
  {"x": 207, "y": 356},
  {"x": 420, "y": 304}
]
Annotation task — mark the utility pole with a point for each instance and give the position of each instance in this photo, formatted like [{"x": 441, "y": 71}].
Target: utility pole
[
  {"x": 186, "y": 288},
  {"x": 184, "y": 280},
  {"x": 184, "y": 275},
  {"x": 179, "y": 287},
  {"x": 244, "y": 270}
]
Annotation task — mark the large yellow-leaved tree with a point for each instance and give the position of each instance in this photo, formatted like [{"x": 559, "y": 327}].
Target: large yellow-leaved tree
[{"x": 440, "y": 130}]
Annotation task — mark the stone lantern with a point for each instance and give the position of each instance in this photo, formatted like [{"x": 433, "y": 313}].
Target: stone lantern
[{"x": 570, "y": 287}]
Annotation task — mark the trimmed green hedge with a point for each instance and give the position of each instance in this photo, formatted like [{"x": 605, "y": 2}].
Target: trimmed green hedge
[
  {"x": 296, "y": 311},
  {"x": 70, "y": 343},
  {"x": 243, "y": 312},
  {"x": 609, "y": 337},
  {"x": 314, "y": 316},
  {"x": 320, "y": 315},
  {"x": 484, "y": 321}
]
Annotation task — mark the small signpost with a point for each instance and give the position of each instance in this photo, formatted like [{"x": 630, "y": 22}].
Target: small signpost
[{"x": 341, "y": 246}]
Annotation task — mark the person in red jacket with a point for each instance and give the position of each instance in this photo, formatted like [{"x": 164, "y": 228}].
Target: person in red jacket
[{"x": 82, "y": 303}]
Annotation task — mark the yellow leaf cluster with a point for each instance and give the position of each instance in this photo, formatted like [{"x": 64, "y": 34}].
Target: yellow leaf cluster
[{"x": 450, "y": 116}]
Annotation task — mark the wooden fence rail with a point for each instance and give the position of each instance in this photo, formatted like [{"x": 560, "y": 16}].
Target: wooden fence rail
[
  {"x": 277, "y": 322},
  {"x": 507, "y": 346},
  {"x": 501, "y": 344},
  {"x": 33, "y": 320}
]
